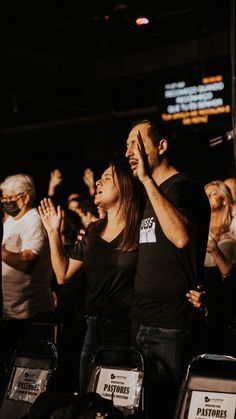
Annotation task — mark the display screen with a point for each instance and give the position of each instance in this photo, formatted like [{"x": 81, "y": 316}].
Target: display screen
[{"x": 205, "y": 102}]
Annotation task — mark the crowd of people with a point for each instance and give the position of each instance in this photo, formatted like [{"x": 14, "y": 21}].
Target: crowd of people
[{"x": 147, "y": 259}]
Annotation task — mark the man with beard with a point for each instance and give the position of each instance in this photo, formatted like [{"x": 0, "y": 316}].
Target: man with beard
[{"x": 172, "y": 246}]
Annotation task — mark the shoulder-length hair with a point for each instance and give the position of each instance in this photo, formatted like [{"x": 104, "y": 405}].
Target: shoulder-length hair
[
  {"x": 225, "y": 193},
  {"x": 131, "y": 206}
]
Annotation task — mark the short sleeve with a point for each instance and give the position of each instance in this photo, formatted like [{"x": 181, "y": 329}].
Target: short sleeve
[{"x": 77, "y": 251}]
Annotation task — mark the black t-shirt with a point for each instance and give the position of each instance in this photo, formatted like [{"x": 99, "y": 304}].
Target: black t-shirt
[
  {"x": 165, "y": 273},
  {"x": 110, "y": 275}
]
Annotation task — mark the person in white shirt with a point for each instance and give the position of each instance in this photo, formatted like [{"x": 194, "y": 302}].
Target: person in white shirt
[{"x": 26, "y": 266}]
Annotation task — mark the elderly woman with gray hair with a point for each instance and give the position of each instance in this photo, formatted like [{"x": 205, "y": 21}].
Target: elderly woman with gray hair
[{"x": 26, "y": 266}]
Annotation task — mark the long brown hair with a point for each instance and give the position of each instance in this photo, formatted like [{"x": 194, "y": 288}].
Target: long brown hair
[{"x": 131, "y": 205}]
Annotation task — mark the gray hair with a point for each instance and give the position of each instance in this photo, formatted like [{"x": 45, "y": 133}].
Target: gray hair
[{"x": 18, "y": 184}]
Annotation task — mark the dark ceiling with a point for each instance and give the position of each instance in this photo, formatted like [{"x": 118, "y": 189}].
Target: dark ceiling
[
  {"x": 85, "y": 68},
  {"x": 64, "y": 60}
]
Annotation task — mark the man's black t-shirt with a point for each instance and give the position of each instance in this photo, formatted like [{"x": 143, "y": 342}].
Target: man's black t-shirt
[
  {"x": 110, "y": 275},
  {"x": 165, "y": 273}
]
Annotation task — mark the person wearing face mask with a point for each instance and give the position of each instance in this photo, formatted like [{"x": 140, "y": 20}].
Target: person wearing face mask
[{"x": 26, "y": 266}]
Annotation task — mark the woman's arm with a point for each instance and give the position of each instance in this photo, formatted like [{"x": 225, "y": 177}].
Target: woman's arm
[
  {"x": 221, "y": 260},
  {"x": 63, "y": 266}
]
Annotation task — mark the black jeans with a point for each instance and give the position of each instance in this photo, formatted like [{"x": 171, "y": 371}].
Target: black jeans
[
  {"x": 100, "y": 331},
  {"x": 166, "y": 355}
]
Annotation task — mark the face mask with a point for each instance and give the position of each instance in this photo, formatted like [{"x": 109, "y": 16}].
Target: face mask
[{"x": 11, "y": 208}]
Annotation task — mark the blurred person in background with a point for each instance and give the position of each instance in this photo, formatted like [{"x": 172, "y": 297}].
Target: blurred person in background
[
  {"x": 1, "y": 236},
  {"x": 88, "y": 179},
  {"x": 26, "y": 264},
  {"x": 231, "y": 183},
  {"x": 55, "y": 188},
  {"x": 88, "y": 212},
  {"x": 220, "y": 260}
]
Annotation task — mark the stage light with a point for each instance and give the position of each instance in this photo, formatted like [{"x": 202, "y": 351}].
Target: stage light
[{"x": 142, "y": 20}]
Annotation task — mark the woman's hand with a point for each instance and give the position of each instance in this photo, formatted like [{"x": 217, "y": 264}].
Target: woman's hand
[
  {"x": 81, "y": 234},
  {"x": 212, "y": 247},
  {"x": 51, "y": 217}
]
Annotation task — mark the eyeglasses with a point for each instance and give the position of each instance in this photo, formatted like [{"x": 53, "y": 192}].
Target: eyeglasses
[{"x": 12, "y": 198}]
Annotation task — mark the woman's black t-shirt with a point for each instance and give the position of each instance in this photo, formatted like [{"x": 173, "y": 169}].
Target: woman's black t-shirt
[{"x": 110, "y": 276}]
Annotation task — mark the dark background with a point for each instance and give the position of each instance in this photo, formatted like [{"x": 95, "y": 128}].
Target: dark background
[{"x": 74, "y": 76}]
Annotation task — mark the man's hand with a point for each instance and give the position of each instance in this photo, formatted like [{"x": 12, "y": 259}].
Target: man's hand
[
  {"x": 143, "y": 170},
  {"x": 197, "y": 298}
]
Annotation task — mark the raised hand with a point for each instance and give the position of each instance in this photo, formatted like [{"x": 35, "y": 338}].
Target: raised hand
[
  {"x": 56, "y": 177},
  {"x": 51, "y": 217},
  {"x": 143, "y": 169},
  {"x": 55, "y": 180},
  {"x": 88, "y": 179}
]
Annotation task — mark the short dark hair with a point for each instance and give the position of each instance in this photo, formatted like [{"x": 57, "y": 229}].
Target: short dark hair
[{"x": 157, "y": 131}]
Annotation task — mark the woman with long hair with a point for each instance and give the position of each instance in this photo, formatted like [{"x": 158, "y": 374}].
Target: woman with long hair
[
  {"x": 221, "y": 250},
  {"x": 108, "y": 255},
  {"x": 219, "y": 268}
]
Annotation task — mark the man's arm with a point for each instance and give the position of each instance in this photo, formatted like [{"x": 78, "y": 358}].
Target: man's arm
[{"x": 174, "y": 224}]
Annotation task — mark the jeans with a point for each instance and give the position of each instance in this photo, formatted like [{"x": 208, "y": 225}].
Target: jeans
[
  {"x": 101, "y": 331},
  {"x": 166, "y": 355}
]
